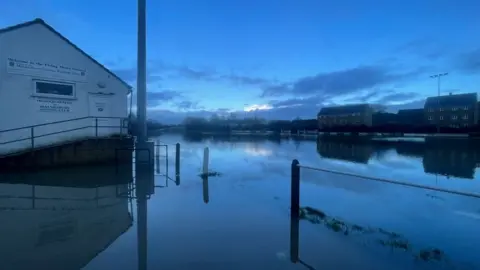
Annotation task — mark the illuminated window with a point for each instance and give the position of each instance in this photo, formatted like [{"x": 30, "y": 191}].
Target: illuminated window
[
  {"x": 454, "y": 117},
  {"x": 441, "y": 117},
  {"x": 465, "y": 116}
]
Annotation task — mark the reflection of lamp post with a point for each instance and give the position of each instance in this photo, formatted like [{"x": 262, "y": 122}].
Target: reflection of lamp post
[{"x": 438, "y": 77}]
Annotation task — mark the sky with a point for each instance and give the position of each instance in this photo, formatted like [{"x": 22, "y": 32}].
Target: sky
[{"x": 285, "y": 58}]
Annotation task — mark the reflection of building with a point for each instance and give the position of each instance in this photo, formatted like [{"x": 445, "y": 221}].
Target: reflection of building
[
  {"x": 457, "y": 159},
  {"x": 359, "y": 152},
  {"x": 47, "y": 227},
  {"x": 358, "y": 114},
  {"x": 452, "y": 110}
]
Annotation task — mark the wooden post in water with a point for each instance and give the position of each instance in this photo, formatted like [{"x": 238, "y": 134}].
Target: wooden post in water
[
  {"x": 205, "y": 161},
  {"x": 295, "y": 189},
  {"x": 177, "y": 159}
]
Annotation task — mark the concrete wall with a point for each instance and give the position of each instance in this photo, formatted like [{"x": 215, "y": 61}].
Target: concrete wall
[
  {"x": 20, "y": 106},
  {"x": 59, "y": 234}
]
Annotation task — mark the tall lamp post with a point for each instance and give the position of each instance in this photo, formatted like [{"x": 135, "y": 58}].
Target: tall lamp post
[
  {"x": 438, "y": 77},
  {"x": 141, "y": 72}
]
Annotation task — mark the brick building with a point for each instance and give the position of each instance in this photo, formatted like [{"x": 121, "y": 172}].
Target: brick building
[
  {"x": 346, "y": 115},
  {"x": 451, "y": 110}
]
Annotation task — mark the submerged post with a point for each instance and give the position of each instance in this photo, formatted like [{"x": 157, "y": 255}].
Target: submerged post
[
  {"x": 295, "y": 189},
  {"x": 205, "y": 161}
]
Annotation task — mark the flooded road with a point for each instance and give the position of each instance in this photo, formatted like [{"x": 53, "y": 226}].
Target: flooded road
[{"x": 240, "y": 218}]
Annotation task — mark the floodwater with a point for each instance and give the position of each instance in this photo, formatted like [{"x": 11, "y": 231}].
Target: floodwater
[{"x": 98, "y": 218}]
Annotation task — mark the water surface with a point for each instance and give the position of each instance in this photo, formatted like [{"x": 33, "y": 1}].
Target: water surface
[{"x": 240, "y": 219}]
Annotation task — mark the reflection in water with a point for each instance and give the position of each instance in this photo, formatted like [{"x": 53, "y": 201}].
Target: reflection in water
[
  {"x": 456, "y": 158},
  {"x": 61, "y": 226},
  {"x": 294, "y": 242},
  {"x": 206, "y": 197},
  {"x": 254, "y": 149},
  {"x": 144, "y": 181}
]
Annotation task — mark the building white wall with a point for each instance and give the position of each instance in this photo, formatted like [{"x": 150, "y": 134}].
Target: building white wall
[{"x": 19, "y": 107}]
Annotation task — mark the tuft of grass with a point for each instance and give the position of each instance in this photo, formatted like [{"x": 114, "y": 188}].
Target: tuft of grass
[{"x": 210, "y": 174}]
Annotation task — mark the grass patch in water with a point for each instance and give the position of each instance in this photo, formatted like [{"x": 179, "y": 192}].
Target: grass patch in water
[
  {"x": 389, "y": 239},
  {"x": 210, "y": 174}
]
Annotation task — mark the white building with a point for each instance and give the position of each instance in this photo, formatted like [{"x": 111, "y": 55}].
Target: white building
[{"x": 45, "y": 78}]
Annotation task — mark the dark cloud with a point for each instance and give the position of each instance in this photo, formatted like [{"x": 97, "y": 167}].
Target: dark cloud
[
  {"x": 187, "y": 105},
  {"x": 245, "y": 80},
  {"x": 196, "y": 74},
  {"x": 397, "y": 97},
  {"x": 337, "y": 83},
  {"x": 159, "y": 96},
  {"x": 369, "y": 95},
  {"x": 469, "y": 62},
  {"x": 426, "y": 48},
  {"x": 130, "y": 75}
]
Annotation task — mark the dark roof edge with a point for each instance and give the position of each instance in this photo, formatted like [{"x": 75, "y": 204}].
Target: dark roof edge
[{"x": 42, "y": 22}]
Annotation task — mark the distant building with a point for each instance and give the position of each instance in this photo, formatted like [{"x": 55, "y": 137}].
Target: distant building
[
  {"x": 354, "y": 115},
  {"x": 451, "y": 110},
  {"x": 384, "y": 118},
  {"x": 478, "y": 113},
  {"x": 411, "y": 117}
]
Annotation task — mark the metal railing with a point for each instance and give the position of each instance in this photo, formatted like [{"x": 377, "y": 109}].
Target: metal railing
[
  {"x": 34, "y": 199},
  {"x": 32, "y": 132}
]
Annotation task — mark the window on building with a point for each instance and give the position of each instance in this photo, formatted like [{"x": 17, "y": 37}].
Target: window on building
[
  {"x": 465, "y": 125},
  {"x": 454, "y": 117},
  {"x": 465, "y": 108},
  {"x": 441, "y": 109},
  {"x": 45, "y": 88},
  {"x": 430, "y": 118},
  {"x": 430, "y": 110},
  {"x": 454, "y": 108},
  {"x": 441, "y": 117},
  {"x": 465, "y": 116}
]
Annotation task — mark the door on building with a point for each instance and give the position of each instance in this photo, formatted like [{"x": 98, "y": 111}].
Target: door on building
[{"x": 100, "y": 110}]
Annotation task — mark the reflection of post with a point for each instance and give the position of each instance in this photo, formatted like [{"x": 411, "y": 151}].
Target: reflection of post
[
  {"x": 206, "y": 197},
  {"x": 294, "y": 236},
  {"x": 144, "y": 180}
]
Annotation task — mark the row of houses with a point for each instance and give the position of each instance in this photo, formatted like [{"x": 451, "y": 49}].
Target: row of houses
[{"x": 460, "y": 110}]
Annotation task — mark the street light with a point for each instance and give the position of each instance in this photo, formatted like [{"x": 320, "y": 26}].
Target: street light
[
  {"x": 438, "y": 77},
  {"x": 142, "y": 72}
]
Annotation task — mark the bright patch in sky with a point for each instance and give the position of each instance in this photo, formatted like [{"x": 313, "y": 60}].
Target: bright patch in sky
[{"x": 255, "y": 107}]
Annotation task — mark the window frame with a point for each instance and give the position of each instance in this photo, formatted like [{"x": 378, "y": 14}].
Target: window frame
[{"x": 36, "y": 94}]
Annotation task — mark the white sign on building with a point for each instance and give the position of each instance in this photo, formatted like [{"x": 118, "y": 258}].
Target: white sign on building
[
  {"x": 52, "y": 105},
  {"x": 45, "y": 70}
]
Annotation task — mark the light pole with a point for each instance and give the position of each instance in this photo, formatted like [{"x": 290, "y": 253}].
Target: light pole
[
  {"x": 438, "y": 77},
  {"x": 142, "y": 73}
]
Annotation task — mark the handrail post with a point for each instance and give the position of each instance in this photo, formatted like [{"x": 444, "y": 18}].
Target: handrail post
[
  {"x": 32, "y": 138},
  {"x": 96, "y": 126},
  {"x": 295, "y": 189}
]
